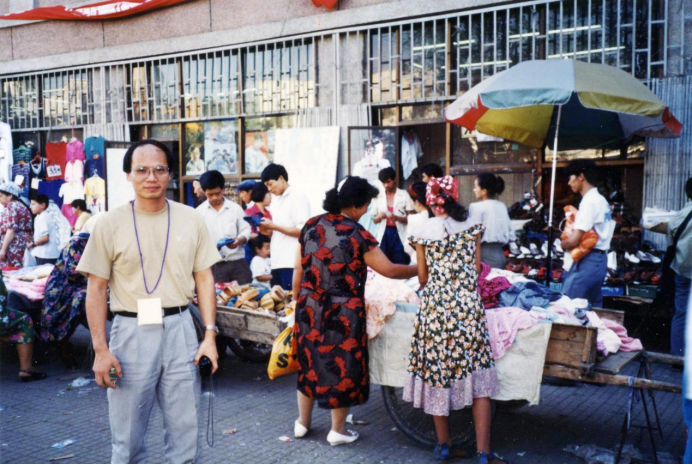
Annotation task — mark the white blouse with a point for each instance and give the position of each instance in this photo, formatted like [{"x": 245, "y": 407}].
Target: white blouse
[{"x": 493, "y": 215}]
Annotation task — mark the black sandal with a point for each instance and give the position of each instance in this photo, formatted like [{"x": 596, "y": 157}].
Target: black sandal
[{"x": 33, "y": 376}]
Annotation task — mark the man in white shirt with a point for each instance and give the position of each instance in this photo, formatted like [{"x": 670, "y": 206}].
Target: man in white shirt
[
  {"x": 585, "y": 278},
  {"x": 46, "y": 240},
  {"x": 224, "y": 219},
  {"x": 290, "y": 211},
  {"x": 389, "y": 213}
]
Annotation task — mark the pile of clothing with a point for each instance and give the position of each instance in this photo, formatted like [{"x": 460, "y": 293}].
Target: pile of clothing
[
  {"x": 29, "y": 281},
  {"x": 380, "y": 296}
]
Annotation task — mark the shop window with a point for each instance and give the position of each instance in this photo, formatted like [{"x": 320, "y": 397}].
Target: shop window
[
  {"x": 470, "y": 149},
  {"x": 211, "y": 84},
  {"x": 19, "y": 102},
  {"x": 139, "y": 93},
  {"x": 67, "y": 98},
  {"x": 279, "y": 76},
  {"x": 422, "y": 112},
  {"x": 165, "y": 131},
  {"x": 165, "y": 89},
  {"x": 260, "y": 139},
  {"x": 388, "y": 116},
  {"x": 212, "y": 145},
  {"x": 632, "y": 151}
]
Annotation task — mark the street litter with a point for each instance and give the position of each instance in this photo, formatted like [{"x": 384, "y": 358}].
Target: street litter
[
  {"x": 351, "y": 421},
  {"x": 227, "y": 432},
  {"x": 55, "y": 459},
  {"x": 80, "y": 382},
  {"x": 64, "y": 443},
  {"x": 521, "y": 454},
  {"x": 394, "y": 429},
  {"x": 285, "y": 439}
]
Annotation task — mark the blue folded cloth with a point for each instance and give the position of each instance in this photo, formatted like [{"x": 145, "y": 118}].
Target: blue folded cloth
[
  {"x": 526, "y": 295},
  {"x": 253, "y": 221}
]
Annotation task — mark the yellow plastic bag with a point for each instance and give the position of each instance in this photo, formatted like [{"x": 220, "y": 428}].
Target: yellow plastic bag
[{"x": 284, "y": 358}]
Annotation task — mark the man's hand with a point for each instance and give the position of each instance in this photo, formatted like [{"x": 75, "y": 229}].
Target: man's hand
[
  {"x": 208, "y": 348},
  {"x": 103, "y": 362},
  {"x": 234, "y": 245},
  {"x": 267, "y": 224}
]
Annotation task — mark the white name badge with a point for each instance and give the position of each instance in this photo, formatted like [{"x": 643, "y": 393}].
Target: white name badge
[{"x": 149, "y": 312}]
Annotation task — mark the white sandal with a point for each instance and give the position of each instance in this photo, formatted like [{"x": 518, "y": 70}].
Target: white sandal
[
  {"x": 335, "y": 439},
  {"x": 299, "y": 430}
]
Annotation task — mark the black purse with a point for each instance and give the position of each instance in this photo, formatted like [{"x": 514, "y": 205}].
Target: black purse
[{"x": 666, "y": 292}]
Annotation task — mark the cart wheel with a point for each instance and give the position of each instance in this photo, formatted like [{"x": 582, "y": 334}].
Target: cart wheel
[
  {"x": 418, "y": 426},
  {"x": 250, "y": 351}
]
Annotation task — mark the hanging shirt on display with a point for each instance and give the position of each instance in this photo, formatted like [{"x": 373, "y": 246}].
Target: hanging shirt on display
[
  {"x": 74, "y": 150},
  {"x": 23, "y": 153},
  {"x": 95, "y": 189},
  {"x": 94, "y": 166},
  {"x": 74, "y": 171},
  {"x": 71, "y": 191},
  {"x": 51, "y": 189},
  {"x": 55, "y": 155},
  {"x": 94, "y": 146},
  {"x": 411, "y": 151},
  {"x": 6, "y": 158},
  {"x": 23, "y": 171}
]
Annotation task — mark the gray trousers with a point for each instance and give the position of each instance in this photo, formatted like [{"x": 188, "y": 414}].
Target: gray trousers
[{"x": 158, "y": 364}]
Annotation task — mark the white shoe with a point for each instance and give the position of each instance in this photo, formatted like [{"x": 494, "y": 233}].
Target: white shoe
[
  {"x": 335, "y": 439},
  {"x": 525, "y": 251},
  {"x": 299, "y": 430},
  {"x": 631, "y": 258}
]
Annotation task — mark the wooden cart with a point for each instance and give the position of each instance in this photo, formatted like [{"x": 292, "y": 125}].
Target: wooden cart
[
  {"x": 249, "y": 333},
  {"x": 571, "y": 355}
]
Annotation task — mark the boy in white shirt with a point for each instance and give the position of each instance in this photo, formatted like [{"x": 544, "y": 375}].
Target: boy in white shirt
[
  {"x": 585, "y": 278},
  {"x": 45, "y": 245},
  {"x": 261, "y": 265}
]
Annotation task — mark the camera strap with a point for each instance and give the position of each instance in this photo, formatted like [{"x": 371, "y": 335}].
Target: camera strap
[{"x": 210, "y": 414}]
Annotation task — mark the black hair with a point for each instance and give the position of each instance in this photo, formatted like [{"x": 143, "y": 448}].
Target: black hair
[
  {"x": 688, "y": 188},
  {"x": 259, "y": 192},
  {"x": 417, "y": 192},
  {"x": 386, "y": 174},
  {"x": 259, "y": 241},
  {"x": 456, "y": 210},
  {"x": 273, "y": 172},
  {"x": 43, "y": 199},
  {"x": 432, "y": 170},
  {"x": 212, "y": 180},
  {"x": 586, "y": 167},
  {"x": 354, "y": 192},
  {"x": 79, "y": 203},
  {"x": 12, "y": 196},
  {"x": 495, "y": 185},
  {"x": 127, "y": 159}
]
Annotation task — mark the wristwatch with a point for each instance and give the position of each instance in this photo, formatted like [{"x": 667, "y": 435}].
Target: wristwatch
[{"x": 212, "y": 327}]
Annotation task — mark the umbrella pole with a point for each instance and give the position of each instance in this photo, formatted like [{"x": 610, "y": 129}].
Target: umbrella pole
[{"x": 552, "y": 196}]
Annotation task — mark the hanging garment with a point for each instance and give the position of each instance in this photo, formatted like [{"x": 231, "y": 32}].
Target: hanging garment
[
  {"x": 6, "y": 156},
  {"x": 51, "y": 189},
  {"x": 21, "y": 170},
  {"x": 69, "y": 214},
  {"x": 411, "y": 151},
  {"x": 94, "y": 146},
  {"x": 95, "y": 189},
  {"x": 74, "y": 150},
  {"x": 23, "y": 153},
  {"x": 97, "y": 206},
  {"x": 71, "y": 191},
  {"x": 94, "y": 166},
  {"x": 55, "y": 155},
  {"x": 74, "y": 171}
]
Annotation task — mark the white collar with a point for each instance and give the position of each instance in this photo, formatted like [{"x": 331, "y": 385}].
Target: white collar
[
  {"x": 434, "y": 228},
  {"x": 225, "y": 205}
]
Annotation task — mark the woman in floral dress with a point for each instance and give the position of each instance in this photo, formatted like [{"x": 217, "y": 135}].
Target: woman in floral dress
[
  {"x": 330, "y": 310},
  {"x": 15, "y": 226},
  {"x": 451, "y": 365}
]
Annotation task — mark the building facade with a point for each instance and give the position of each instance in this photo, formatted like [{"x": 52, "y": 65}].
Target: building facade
[{"x": 232, "y": 72}]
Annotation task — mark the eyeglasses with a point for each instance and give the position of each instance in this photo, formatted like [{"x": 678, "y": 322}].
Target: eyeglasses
[{"x": 144, "y": 171}]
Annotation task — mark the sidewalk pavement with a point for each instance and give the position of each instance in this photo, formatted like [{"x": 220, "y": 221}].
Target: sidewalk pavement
[{"x": 36, "y": 415}]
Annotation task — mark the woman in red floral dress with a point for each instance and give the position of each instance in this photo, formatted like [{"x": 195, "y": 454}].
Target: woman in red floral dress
[
  {"x": 330, "y": 311},
  {"x": 15, "y": 226}
]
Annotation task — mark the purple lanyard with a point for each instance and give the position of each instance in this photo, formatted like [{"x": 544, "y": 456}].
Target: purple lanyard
[{"x": 139, "y": 248}]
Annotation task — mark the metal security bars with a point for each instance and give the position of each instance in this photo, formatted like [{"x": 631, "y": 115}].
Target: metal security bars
[
  {"x": 432, "y": 59},
  {"x": 441, "y": 58}
]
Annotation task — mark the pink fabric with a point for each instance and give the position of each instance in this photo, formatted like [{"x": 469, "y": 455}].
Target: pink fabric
[
  {"x": 74, "y": 151},
  {"x": 629, "y": 344},
  {"x": 503, "y": 326},
  {"x": 489, "y": 289},
  {"x": 380, "y": 295},
  {"x": 33, "y": 290},
  {"x": 69, "y": 214},
  {"x": 440, "y": 401}
]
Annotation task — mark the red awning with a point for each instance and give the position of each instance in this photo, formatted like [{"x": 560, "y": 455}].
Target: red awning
[
  {"x": 108, "y": 9},
  {"x": 325, "y": 3}
]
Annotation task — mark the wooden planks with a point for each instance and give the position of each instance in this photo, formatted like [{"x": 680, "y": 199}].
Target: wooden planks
[
  {"x": 250, "y": 325},
  {"x": 572, "y": 346},
  {"x": 575, "y": 374},
  {"x": 614, "y": 363},
  {"x": 618, "y": 316}
]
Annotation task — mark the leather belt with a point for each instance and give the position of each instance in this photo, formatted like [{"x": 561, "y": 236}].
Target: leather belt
[
  {"x": 166, "y": 312},
  {"x": 603, "y": 252}
]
